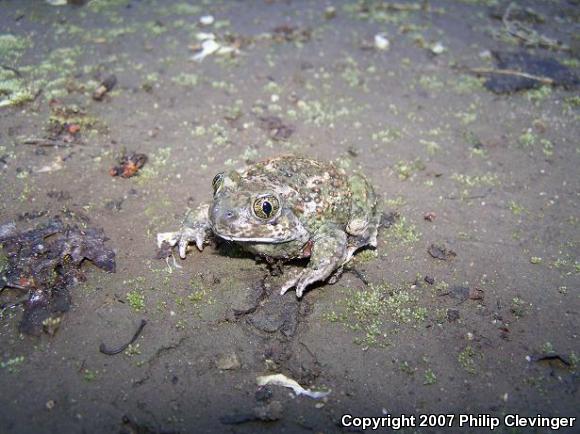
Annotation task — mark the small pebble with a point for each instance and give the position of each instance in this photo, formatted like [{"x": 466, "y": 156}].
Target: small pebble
[
  {"x": 430, "y": 216},
  {"x": 207, "y": 20},
  {"x": 438, "y": 48},
  {"x": 381, "y": 42}
]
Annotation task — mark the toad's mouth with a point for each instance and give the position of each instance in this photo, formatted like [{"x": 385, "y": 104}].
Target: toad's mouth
[{"x": 269, "y": 240}]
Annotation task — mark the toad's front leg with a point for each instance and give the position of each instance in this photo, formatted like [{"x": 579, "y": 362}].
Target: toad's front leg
[
  {"x": 329, "y": 253},
  {"x": 195, "y": 228}
]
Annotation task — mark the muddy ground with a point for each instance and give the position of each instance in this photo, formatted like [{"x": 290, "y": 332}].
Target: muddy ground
[{"x": 492, "y": 328}]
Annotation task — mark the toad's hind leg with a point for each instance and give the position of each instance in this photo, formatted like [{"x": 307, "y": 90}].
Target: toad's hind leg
[
  {"x": 329, "y": 253},
  {"x": 364, "y": 217}
]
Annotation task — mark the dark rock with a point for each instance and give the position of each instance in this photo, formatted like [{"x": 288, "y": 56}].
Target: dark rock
[
  {"x": 441, "y": 252},
  {"x": 537, "y": 66},
  {"x": 114, "y": 205},
  {"x": 389, "y": 219},
  {"x": 452, "y": 315},
  {"x": 429, "y": 216},
  {"x": 59, "y": 195},
  {"x": 459, "y": 292},
  {"x": 277, "y": 314},
  {"x": 276, "y": 128},
  {"x": 45, "y": 262},
  {"x": 476, "y": 294},
  {"x": 263, "y": 393}
]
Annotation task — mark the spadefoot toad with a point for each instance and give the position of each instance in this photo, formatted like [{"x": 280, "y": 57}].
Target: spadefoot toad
[{"x": 284, "y": 208}]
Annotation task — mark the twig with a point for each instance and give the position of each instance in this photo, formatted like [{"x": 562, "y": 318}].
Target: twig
[
  {"x": 38, "y": 141},
  {"x": 475, "y": 196},
  {"x": 6, "y": 306},
  {"x": 358, "y": 274},
  {"x": 506, "y": 15},
  {"x": 37, "y": 94},
  {"x": 528, "y": 35},
  {"x": 13, "y": 286},
  {"x": 14, "y": 70},
  {"x": 544, "y": 80},
  {"x": 111, "y": 352}
]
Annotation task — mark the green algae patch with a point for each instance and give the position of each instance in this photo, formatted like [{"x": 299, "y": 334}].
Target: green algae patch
[
  {"x": 62, "y": 115},
  {"x": 466, "y": 359},
  {"x": 180, "y": 9},
  {"x": 323, "y": 113},
  {"x": 13, "y": 89},
  {"x": 155, "y": 166},
  {"x": 429, "y": 377},
  {"x": 467, "y": 84},
  {"x": 12, "y": 47},
  {"x": 376, "y": 312},
  {"x": 470, "y": 181},
  {"x": 387, "y": 136},
  {"x": 52, "y": 75},
  {"x": 136, "y": 300},
  {"x": 366, "y": 255},
  {"x": 99, "y": 6},
  {"x": 403, "y": 232},
  {"x": 186, "y": 79},
  {"x": 12, "y": 365},
  {"x": 407, "y": 169}
]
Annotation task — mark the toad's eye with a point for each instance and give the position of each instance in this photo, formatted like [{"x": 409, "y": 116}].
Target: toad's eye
[
  {"x": 266, "y": 206},
  {"x": 217, "y": 182}
]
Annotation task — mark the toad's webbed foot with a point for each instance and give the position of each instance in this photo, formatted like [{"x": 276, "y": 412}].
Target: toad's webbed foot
[{"x": 195, "y": 228}]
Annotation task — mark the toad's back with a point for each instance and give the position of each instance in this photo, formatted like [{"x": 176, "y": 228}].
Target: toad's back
[{"x": 317, "y": 192}]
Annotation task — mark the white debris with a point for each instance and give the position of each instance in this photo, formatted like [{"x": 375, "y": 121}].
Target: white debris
[
  {"x": 282, "y": 380},
  {"x": 438, "y": 48},
  {"x": 381, "y": 42},
  {"x": 210, "y": 46},
  {"x": 202, "y": 36},
  {"x": 57, "y": 164},
  {"x": 168, "y": 237},
  {"x": 57, "y": 2},
  {"x": 485, "y": 54},
  {"x": 206, "y": 20},
  {"x": 228, "y": 362}
]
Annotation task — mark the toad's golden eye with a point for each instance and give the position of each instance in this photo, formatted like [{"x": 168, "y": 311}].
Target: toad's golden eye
[
  {"x": 266, "y": 206},
  {"x": 217, "y": 182}
]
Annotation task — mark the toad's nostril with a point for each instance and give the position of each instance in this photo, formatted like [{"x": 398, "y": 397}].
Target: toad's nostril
[{"x": 229, "y": 214}]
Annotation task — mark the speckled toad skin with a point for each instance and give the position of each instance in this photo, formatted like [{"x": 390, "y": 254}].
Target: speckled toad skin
[{"x": 287, "y": 207}]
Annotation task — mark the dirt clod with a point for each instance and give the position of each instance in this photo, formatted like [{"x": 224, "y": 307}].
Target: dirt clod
[
  {"x": 452, "y": 315},
  {"x": 441, "y": 252},
  {"x": 476, "y": 294},
  {"x": 105, "y": 87},
  {"x": 276, "y": 128},
  {"x": 430, "y": 216},
  {"x": 228, "y": 362}
]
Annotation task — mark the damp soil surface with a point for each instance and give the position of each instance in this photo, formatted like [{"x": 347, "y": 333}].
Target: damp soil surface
[{"x": 469, "y": 304}]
